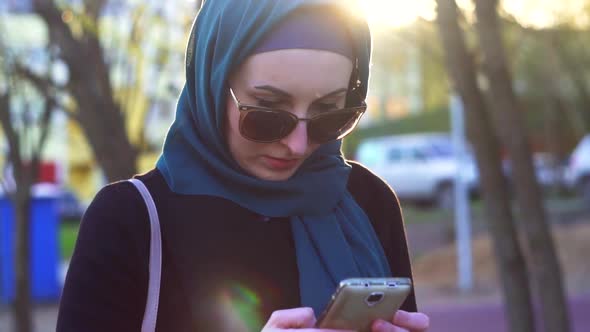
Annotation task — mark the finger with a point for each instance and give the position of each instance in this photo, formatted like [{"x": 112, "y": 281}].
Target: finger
[
  {"x": 383, "y": 326},
  {"x": 305, "y": 330},
  {"x": 315, "y": 330},
  {"x": 292, "y": 318},
  {"x": 413, "y": 321}
]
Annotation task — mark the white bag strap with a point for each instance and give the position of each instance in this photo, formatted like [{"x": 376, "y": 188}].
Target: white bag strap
[{"x": 155, "y": 266}]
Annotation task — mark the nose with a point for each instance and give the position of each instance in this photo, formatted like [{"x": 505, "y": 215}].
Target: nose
[{"x": 297, "y": 141}]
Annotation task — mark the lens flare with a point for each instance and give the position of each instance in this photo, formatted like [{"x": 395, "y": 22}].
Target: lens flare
[
  {"x": 396, "y": 13},
  {"x": 241, "y": 308}
]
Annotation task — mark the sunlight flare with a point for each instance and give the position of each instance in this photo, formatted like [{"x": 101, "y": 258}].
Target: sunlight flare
[{"x": 397, "y": 13}]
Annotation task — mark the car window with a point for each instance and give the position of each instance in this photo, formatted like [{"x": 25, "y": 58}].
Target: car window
[
  {"x": 394, "y": 155},
  {"x": 417, "y": 154},
  {"x": 439, "y": 149}
]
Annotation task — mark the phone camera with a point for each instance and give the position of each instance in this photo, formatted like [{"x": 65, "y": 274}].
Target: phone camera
[{"x": 374, "y": 298}]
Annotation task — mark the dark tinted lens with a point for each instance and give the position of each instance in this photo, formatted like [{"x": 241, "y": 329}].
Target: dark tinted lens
[
  {"x": 266, "y": 126},
  {"x": 327, "y": 127}
]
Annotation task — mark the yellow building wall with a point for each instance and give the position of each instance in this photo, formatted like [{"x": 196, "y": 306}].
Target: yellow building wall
[{"x": 83, "y": 175}]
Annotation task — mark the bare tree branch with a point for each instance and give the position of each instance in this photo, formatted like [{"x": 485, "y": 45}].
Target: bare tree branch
[
  {"x": 46, "y": 87},
  {"x": 45, "y": 123},
  {"x": 43, "y": 84},
  {"x": 9, "y": 131}
]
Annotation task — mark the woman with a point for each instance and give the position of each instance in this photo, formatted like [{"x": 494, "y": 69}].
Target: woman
[{"x": 260, "y": 215}]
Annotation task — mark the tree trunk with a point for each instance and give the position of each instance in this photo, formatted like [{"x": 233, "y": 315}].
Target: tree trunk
[
  {"x": 507, "y": 116},
  {"x": 494, "y": 188},
  {"x": 22, "y": 311},
  {"x": 22, "y": 303},
  {"x": 98, "y": 114}
]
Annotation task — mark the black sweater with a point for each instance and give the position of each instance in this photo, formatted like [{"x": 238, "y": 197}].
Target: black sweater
[{"x": 222, "y": 265}]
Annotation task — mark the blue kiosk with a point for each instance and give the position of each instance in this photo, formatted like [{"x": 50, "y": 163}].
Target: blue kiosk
[{"x": 44, "y": 250}]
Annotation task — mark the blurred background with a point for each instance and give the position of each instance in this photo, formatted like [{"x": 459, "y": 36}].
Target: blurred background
[{"x": 478, "y": 118}]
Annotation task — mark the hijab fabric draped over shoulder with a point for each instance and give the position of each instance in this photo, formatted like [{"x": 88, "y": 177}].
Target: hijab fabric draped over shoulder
[{"x": 333, "y": 237}]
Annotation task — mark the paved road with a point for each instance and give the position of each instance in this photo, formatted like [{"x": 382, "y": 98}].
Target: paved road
[
  {"x": 490, "y": 317},
  {"x": 45, "y": 317},
  {"x": 485, "y": 317}
]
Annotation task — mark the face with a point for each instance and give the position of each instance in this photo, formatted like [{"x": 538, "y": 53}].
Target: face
[{"x": 303, "y": 82}]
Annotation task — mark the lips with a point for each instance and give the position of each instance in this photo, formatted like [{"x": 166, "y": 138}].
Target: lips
[{"x": 279, "y": 163}]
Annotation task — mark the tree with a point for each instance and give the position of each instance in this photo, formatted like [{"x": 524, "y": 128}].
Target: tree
[
  {"x": 98, "y": 114},
  {"x": 509, "y": 259},
  {"x": 574, "y": 65},
  {"x": 26, "y": 129},
  {"x": 111, "y": 116},
  {"x": 508, "y": 119},
  {"x": 559, "y": 77}
]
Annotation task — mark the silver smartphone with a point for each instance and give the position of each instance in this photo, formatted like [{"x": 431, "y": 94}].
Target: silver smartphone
[{"x": 358, "y": 302}]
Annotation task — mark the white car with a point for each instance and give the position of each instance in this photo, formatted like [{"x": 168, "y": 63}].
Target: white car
[
  {"x": 419, "y": 167},
  {"x": 577, "y": 175}
]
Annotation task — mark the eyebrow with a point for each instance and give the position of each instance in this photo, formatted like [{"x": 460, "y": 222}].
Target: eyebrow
[{"x": 285, "y": 94}]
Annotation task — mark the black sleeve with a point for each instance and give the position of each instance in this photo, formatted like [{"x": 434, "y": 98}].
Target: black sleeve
[
  {"x": 106, "y": 283},
  {"x": 382, "y": 207}
]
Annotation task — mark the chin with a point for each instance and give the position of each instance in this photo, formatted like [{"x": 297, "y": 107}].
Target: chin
[{"x": 270, "y": 175}]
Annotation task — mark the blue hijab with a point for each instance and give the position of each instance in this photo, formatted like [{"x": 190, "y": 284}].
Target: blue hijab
[{"x": 333, "y": 237}]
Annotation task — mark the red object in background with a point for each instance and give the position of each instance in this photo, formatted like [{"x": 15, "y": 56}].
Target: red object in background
[{"x": 47, "y": 172}]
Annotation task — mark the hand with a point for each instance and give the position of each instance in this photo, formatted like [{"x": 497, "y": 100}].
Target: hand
[
  {"x": 403, "y": 321},
  {"x": 300, "y": 319}
]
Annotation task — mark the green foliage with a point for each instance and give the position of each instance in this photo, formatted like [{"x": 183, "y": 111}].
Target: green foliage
[
  {"x": 408, "y": 63},
  {"x": 439, "y": 121},
  {"x": 432, "y": 121},
  {"x": 68, "y": 232}
]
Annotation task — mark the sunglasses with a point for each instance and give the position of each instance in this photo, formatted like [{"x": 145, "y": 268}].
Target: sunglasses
[{"x": 267, "y": 125}]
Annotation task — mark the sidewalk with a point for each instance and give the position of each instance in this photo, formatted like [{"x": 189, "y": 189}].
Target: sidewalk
[
  {"x": 490, "y": 317},
  {"x": 452, "y": 317},
  {"x": 44, "y": 320}
]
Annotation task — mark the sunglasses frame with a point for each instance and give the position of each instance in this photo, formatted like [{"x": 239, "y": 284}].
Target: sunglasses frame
[{"x": 245, "y": 109}]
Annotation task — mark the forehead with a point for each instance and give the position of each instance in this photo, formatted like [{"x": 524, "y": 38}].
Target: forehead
[{"x": 294, "y": 69}]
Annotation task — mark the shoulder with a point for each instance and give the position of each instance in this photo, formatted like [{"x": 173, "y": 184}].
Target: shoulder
[
  {"x": 115, "y": 201},
  {"x": 119, "y": 214},
  {"x": 106, "y": 275},
  {"x": 360, "y": 173},
  {"x": 369, "y": 189},
  {"x": 119, "y": 201},
  {"x": 382, "y": 207},
  {"x": 115, "y": 219}
]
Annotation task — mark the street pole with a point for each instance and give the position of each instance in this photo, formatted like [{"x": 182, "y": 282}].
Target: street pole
[{"x": 462, "y": 213}]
